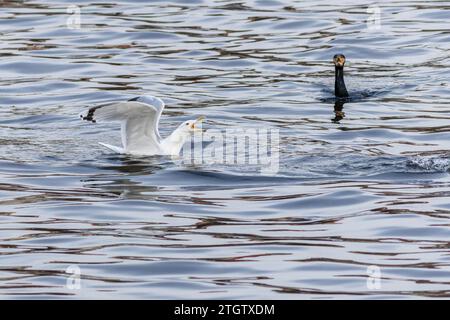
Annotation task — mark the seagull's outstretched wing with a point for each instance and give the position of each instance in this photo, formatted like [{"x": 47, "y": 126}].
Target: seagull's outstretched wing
[{"x": 139, "y": 118}]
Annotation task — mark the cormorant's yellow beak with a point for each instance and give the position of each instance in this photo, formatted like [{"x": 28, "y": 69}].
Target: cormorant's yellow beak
[{"x": 339, "y": 61}]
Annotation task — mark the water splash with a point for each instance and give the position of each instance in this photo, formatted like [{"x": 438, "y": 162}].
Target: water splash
[{"x": 430, "y": 164}]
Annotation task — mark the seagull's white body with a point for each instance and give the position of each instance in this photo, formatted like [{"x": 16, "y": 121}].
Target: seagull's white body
[{"x": 139, "y": 118}]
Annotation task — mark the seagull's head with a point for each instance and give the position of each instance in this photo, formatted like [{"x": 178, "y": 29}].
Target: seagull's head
[
  {"x": 191, "y": 126},
  {"x": 173, "y": 143}
]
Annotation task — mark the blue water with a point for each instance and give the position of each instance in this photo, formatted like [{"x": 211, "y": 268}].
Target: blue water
[{"x": 364, "y": 185}]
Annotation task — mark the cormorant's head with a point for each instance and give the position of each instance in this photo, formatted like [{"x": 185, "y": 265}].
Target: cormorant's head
[{"x": 339, "y": 60}]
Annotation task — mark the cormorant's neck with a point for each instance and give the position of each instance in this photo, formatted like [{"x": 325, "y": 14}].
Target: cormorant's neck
[{"x": 339, "y": 85}]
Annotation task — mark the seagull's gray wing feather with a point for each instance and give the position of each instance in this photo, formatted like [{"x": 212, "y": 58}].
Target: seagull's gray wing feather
[{"x": 139, "y": 119}]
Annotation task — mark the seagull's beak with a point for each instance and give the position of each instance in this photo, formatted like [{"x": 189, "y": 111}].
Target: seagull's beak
[{"x": 196, "y": 123}]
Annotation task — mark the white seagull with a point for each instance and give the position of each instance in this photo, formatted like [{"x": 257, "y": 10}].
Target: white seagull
[{"x": 139, "y": 118}]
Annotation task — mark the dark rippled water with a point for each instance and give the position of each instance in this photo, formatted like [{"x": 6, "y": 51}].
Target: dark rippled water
[{"x": 370, "y": 189}]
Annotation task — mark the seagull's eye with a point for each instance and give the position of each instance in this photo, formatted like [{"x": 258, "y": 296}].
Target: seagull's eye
[{"x": 187, "y": 123}]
